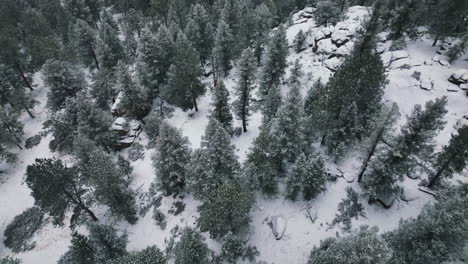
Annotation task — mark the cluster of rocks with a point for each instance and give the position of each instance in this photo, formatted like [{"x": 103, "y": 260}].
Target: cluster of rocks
[
  {"x": 438, "y": 60},
  {"x": 128, "y": 132},
  {"x": 460, "y": 78}
]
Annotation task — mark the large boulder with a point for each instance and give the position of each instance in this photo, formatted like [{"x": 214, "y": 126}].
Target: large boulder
[
  {"x": 325, "y": 46},
  {"x": 278, "y": 225},
  {"x": 459, "y": 77},
  {"x": 340, "y": 37},
  {"x": 332, "y": 64}
]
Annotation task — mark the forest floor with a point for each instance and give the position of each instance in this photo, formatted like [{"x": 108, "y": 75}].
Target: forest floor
[{"x": 301, "y": 234}]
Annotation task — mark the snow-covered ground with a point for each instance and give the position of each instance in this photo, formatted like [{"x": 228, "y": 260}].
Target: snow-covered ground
[{"x": 301, "y": 233}]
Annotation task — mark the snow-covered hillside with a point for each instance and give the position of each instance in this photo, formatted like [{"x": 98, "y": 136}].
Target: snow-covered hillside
[{"x": 326, "y": 48}]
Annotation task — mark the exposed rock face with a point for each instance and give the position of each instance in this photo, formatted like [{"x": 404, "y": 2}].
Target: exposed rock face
[
  {"x": 116, "y": 108},
  {"x": 128, "y": 132}
]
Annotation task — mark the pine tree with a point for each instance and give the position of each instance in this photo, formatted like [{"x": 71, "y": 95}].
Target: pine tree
[
  {"x": 242, "y": 104},
  {"x": 225, "y": 210},
  {"x": 296, "y": 74},
  {"x": 273, "y": 61},
  {"x": 12, "y": 91},
  {"x": 10, "y": 260},
  {"x": 110, "y": 181},
  {"x": 306, "y": 176},
  {"x": 220, "y": 109},
  {"x": 222, "y": 50},
  {"x": 446, "y": 18},
  {"x": 201, "y": 29},
  {"x": 364, "y": 246},
  {"x": 136, "y": 98},
  {"x": 327, "y": 12},
  {"x": 453, "y": 157},
  {"x": 149, "y": 255},
  {"x": 171, "y": 158},
  {"x": 232, "y": 248},
  {"x": 299, "y": 41},
  {"x": 103, "y": 89},
  {"x": 11, "y": 131},
  {"x": 271, "y": 104},
  {"x": 109, "y": 48},
  {"x": 191, "y": 248},
  {"x": 215, "y": 163},
  {"x": 64, "y": 81},
  {"x": 79, "y": 252},
  {"x": 287, "y": 131},
  {"x": 263, "y": 20},
  {"x": 437, "y": 233},
  {"x": 107, "y": 244},
  {"x": 63, "y": 126},
  {"x": 183, "y": 85},
  {"x": 56, "y": 188},
  {"x": 84, "y": 40},
  {"x": 414, "y": 142}
]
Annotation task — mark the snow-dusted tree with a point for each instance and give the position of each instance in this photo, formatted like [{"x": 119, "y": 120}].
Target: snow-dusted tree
[
  {"x": 263, "y": 22},
  {"x": 191, "y": 248},
  {"x": 273, "y": 61},
  {"x": 10, "y": 260},
  {"x": 149, "y": 255},
  {"x": 327, "y": 12},
  {"x": 446, "y": 18},
  {"x": 287, "y": 130},
  {"x": 109, "y": 49},
  {"x": 12, "y": 91},
  {"x": 438, "y": 232},
  {"x": 82, "y": 9},
  {"x": 64, "y": 80},
  {"x": 57, "y": 188},
  {"x": 226, "y": 209},
  {"x": 215, "y": 163},
  {"x": 11, "y": 131},
  {"x": 63, "y": 125},
  {"x": 231, "y": 15},
  {"x": 171, "y": 159},
  {"x": 349, "y": 208},
  {"x": 136, "y": 99},
  {"x": 201, "y": 31},
  {"x": 453, "y": 157},
  {"x": 364, "y": 246},
  {"x": 296, "y": 74},
  {"x": 183, "y": 79},
  {"x": 109, "y": 179},
  {"x": 400, "y": 158},
  {"x": 382, "y": 132},
  {"x": 247, "y": 26},
  {"x": 232, "y": 248},
  {"x": 103, "y": 88},
  {"x": 79, "y": 252},
  {"x": 107, "y": 243},
  {"x": 220, "y": 108},
  {"x": 148, "y": 64},
  {"x": 299, "y": 41},
  {"x": 84, "y": 40},
  {"x": 242, "y": 106},
  {"x": 271, "y": 104},
  {"x": 306, "y": 176},
  {"x": 222, "y": 50}
]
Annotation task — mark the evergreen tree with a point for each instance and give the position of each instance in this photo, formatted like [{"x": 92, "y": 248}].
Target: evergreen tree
[
  {"x": 220, "y": 109},
  {"x": 136, "y": 97},
  {"x": 400, "y": 158},
  {"x": 191, "y": 248},
  {"x": 273, "y": 61},
  {"x": 10, "y": 260},
  {"x": 287, "y": 131},
  {"x": 453, "y": 157},
  {"x": 183, "y": 85},
  {"x": 201, "y": 31},
  {"x": 149, "y": 255},
  {"x": 103, "y": 89},
  {"x": 215, "y": 163},
  {"x": 296, "y": 74},
  {"x": 12, "y": 91},
  {"x": 271, "y": 104},
  {"x": 365, "y": 246},
  {"x": 110, "y": 181},
  {"x": 226, "y": 209},
  {"x": 109, "y": 48},
  {"x": 232, "y": 248},
  {"x": 327, "y": 12},
  {"x": 56, "y": 188},
  {"x": 84, "y": 41},
  {"x": 242, "y": 104},
  {"x": 438, "y": 232},
  {"x": 307, "y": 175},
  {"x": 299, "y": 41},
  {"x": 79, "y": 252},
  {"x": 222, "y": 50},
  {"x": 171, "y": 158},
  {"x": 107, "y": 244},
  {"x": 63, "y": 126},
  {"x": 11, "y": 131},
  {"x": 446, "y": 18},
  {"x": 64, "y": 81},
  {"x": 263, "y": 20}
]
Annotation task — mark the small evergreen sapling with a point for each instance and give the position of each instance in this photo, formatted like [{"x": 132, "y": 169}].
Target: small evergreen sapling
[{"x": 299, "y": 41}]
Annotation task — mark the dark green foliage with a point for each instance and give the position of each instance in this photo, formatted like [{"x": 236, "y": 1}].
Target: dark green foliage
[
  {"x": 299, "y": 41},
  {"x": 453, "y": 157},
  {"x": 327, "y": 12},
  {"x": 171, "y": 159},
  {"x": 160, "y": 218},
  {"x": 242, "y": 104},
  {"x": 83, "y": 40},
  {"x": 232, "y": 248},
  {"x": 103, "y": 89},
  {"x": 226, "y": 209},
  {"x": 349, "y": 208},
  {"x": 201, "y": 30},
  {"x": 365, "y": 247},
  {"x": 11, "y": 131},
  {"x": 79, "y": 252},
  {"x": 57, "y": 188},
  {"x": 63, "y": 126},
  {"x": 64, "y": 80},
  {"x": 214, "y": 163},
  {"x": 414, "y": 142},
  {"x": 183, "y": 78},
  {"x": 306, "y": 176},
  {"x": 32, "y": 141},
  {"x": 22, "y": 228},
  {"x": 271, "y": 104},
  {"x": 149, "y": 255},
  {"x": 152, "y": 127},
  {"x": 222, "y": 50},
  {"x": 440, "y": 230},
  {"x": 10, "y": 260},
  {"x": 109, "y": 49},
  {"x": 191, "y": 248},
  {"x": 220, "y": 108}
]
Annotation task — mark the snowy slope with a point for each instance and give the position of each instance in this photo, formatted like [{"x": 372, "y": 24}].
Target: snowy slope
[{"x": 301, "y": 233}]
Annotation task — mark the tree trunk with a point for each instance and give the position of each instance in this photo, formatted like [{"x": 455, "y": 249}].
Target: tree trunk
[
  {"x": 371, "y": 153},
  {"x": 436, "y": 177},
  {"x": 244, "y": 125},
  {"x": 195, "y": 103},
  {"x": 21, "y": 72},
  {"x": 435, "y": 41},
  {"x": 95, "y": 58},
  {"x": 27, "y": 110}
]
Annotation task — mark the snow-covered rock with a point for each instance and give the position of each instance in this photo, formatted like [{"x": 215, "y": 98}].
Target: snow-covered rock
[
  {"x": 427, "y": 84},
  {"x": 325, "y": 46},
  {"x": 340, "y": 37},
  {"x": 459, "y": 77},
  {"x": 345, "y": 49},
  {"x": 120, "y": 125},
  {"x": 401, "y": 63},
  {"x": 278, "y": 225},
  {"x": 116, "y": 108},
  {"x": 464, "y": 86},
  {"x": 332, "y": 64},
  {"x": 399, "y": 54}
]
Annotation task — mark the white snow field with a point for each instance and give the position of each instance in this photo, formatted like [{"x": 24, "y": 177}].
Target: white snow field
[{"x": 301, "y": 234}]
